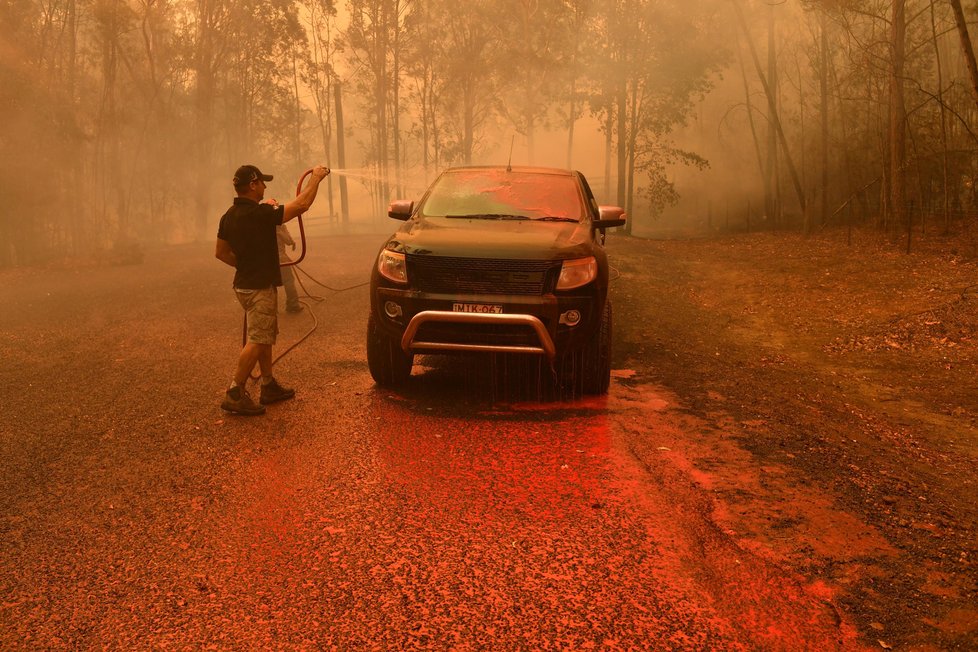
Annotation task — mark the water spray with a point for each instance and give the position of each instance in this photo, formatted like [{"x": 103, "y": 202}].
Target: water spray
[{"x": 360, "y": 173}]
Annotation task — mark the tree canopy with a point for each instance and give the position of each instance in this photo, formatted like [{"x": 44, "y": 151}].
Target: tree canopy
[{"x": 122, "y": 119}]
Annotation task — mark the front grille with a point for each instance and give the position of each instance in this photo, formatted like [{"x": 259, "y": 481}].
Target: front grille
[
  {"x": 445, "y": 275},
  {"x": 492, "y": 334}
]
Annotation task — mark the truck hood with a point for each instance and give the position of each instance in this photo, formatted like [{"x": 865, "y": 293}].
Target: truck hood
[{"x": 475, "y": 238}]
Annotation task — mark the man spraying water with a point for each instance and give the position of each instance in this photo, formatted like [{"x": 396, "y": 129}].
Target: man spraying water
[{"x": 246, "y": 240}]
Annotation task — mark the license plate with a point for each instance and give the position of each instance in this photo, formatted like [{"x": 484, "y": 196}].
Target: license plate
[{"x": 485, "y": 308}]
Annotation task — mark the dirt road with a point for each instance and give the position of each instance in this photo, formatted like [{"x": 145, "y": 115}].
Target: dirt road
[{"x": 756, "y": 479}]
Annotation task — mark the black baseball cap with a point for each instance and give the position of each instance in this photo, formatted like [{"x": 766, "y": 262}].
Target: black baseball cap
[{"x": 248, "y": 173}]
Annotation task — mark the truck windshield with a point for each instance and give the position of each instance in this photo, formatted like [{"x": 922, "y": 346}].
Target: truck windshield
[{"x": 489, "y": 194}]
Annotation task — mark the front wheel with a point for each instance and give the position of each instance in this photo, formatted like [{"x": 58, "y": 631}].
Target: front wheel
[
  {"x": 389, "y": 364},
  {"x": 597, "y": 356}
]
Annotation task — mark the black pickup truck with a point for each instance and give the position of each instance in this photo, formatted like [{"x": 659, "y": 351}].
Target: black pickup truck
[{"x": 496, "y": 259}]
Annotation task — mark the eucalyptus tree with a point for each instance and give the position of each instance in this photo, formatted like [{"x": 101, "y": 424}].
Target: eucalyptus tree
[
  {"x": 257, "y": 79},
  {"x": 891, "y": 82},
  {"x": 656, "y": 62},
  {"x": 860, "y": 80},
  {"x": 323, "y": 81},
  {"x": 536, "y": 44},
  {"x": 102, "y": 103},
  {"x": 967, "y": 47},
  {"x": 208, "y": 30},
  {"x": 370, "y": 41},
  {"x": 683, "y": 65},
  {"x": 112, "y": 29},
  {"x": 242, "y": 85},
  {"x": 320, "y": 73},
  {"x": 774, "y": 116},
  {"x": 823, "y": 109},
  {"x": 574, "y": 82},
  {"x": 426, "y": 73},
  {"x": 891, "y": 49},
  {"x": 157, "y": 134},
  {"x": 454, "y": 70},
  {"x": 42, "y": 131},
  {"x": 898, "y": 110},
  {"x": 120, "y": 73},
  {"x": 469, "y": 65}
]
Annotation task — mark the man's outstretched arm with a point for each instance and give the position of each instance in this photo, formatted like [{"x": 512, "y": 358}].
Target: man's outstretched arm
[{"x": 304, "y": 200}]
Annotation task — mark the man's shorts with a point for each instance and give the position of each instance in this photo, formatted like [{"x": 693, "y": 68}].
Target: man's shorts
[{"x": 261, "y": 308}]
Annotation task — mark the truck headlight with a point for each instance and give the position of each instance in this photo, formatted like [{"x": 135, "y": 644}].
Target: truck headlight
[
  {"x": 392, "y": 266},
  {"x": 575, "y": 273}
]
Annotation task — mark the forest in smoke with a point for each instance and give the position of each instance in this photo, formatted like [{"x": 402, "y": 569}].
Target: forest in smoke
[{"x": 121, "y": 121}]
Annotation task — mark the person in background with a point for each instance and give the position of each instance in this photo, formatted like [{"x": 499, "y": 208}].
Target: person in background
[
  {"x": 246, "y": 240},
  {"x": 288, "y": 276}
]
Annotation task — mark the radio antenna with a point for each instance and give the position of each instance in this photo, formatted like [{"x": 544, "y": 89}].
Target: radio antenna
[{"x": 509, "y": 165}]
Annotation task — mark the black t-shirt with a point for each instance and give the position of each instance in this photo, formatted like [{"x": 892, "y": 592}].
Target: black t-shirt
[{"x": 249, "y": 227}]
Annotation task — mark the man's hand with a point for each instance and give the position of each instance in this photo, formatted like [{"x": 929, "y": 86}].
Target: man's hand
[
  {"x": 271, "y": 202},
  {"x": 320, "y": 172}
]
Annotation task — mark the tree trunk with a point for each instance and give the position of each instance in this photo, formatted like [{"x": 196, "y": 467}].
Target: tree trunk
[
  {"x": 425, "y": 118},
  {"x": 77, "y": 217},
  {"x": 468, "y": 126},
  {"x": 622, "y": 119},
  {"x": 630, "y": 169},
  {"x": 847, "y": 158},
  {"x": 823, "y": 83},
  {"x": 322, "y": 94},
  {"x": 608, "y": 135},
  {"x": 396, "y": 96},
  {"x": 341, "y": 151},
  {"x": 771, "y": 190},
  {"x": 898, "y": 132},
  {"x": 203, "y": 117},
  {"x": 750, "y": 119},
  {"x": 940, "y": 101},
  {"x": 803, "y": 167},
  {"x": 966, "y": 47},
  {"x": 775, "y": 119},
  {"x": 380, "y": 26},
  {"x": 297, "y": 108},
  {"x": 571, "y": 119}
]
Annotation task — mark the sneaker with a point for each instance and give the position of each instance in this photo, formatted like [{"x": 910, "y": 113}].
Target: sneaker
[
  {"x": 293, "y": 307},
  {"x": 237, "y": 401},
  {"x": 273, "y": 392}
]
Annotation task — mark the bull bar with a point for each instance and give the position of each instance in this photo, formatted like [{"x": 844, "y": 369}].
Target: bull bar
[{"x": 409, "y": 345}]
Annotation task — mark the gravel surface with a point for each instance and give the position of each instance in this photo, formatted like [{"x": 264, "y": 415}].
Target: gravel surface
[{"x": 739, "y": 488}]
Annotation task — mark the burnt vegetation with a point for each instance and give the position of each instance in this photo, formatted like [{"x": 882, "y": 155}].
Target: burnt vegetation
[{"x": 122, "y": 118}]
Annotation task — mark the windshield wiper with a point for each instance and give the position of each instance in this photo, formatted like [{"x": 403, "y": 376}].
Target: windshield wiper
[
  {"x": 488, "y": 216},
  {"x": 554, "y": 218}
]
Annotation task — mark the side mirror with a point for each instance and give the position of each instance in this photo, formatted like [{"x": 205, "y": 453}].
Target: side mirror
[
  {"x": 401, "y": 209},
  {"x": 609, "y": 216}
]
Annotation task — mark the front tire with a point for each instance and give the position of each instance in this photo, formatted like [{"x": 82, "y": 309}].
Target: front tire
[
  {"x": 597, "y": 356},
  {"x": 389, "y": 365}
]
